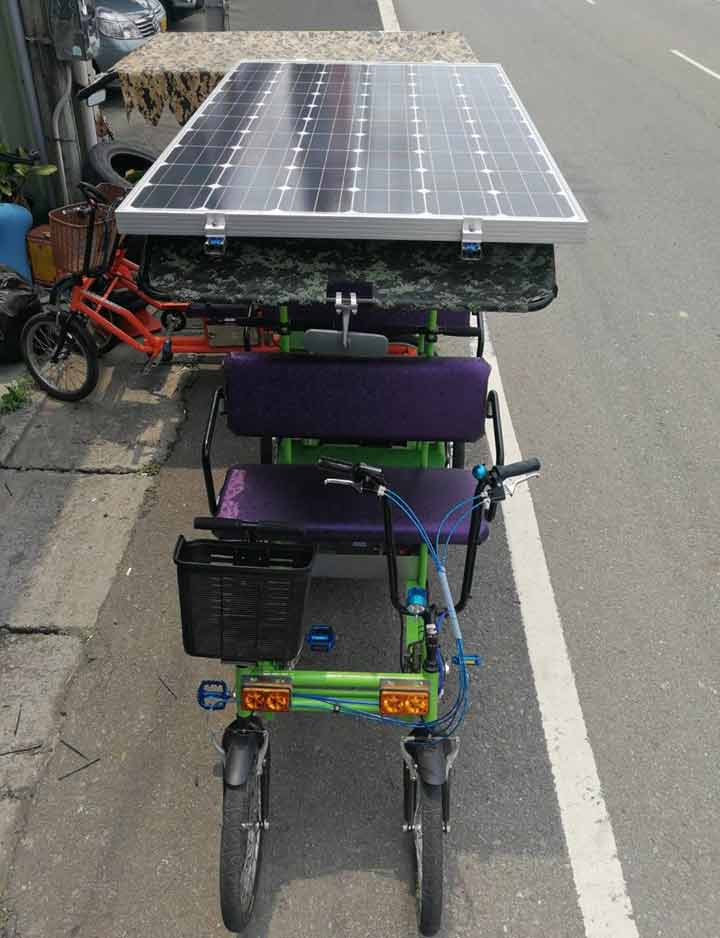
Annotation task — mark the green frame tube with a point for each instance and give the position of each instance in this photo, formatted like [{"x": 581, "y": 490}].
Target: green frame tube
[{"x": 355, "y": 690}]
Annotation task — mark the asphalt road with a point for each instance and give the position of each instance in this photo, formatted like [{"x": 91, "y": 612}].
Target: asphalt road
[{"x": 615, "y": 387}]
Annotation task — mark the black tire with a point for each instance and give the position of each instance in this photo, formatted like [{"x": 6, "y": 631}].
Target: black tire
[
  {"x": 108, "y": 162},
  {"x": 241, "y": 846},
  {"x": 428, "y": 834},
  {"x": 39, "y": 339}
]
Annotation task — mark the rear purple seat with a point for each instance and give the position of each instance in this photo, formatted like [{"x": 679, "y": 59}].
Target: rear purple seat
[
  {"x": 368, "y": 318},
  {"x": 295, "y": 496},
  {"x": 371, "y": 400}
]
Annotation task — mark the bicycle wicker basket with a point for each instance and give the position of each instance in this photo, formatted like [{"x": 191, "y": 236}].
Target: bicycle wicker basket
[
  {"x": 242, "y": 602},
  {"x": 69, "y": 231}
]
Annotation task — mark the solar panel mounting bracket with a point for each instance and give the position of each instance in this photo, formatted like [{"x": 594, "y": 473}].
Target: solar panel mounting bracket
[
  {"x": 215, "y": 240},
  {"x": 471, "y": 239},
  {"x": 346, "y": 306}
]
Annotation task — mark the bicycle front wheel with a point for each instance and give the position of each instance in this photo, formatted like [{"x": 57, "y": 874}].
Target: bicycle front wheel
[
  {"x": 60, "y": 355},
  {"x": 243, "y": 826},
  {"x": 428, "y": 834}
]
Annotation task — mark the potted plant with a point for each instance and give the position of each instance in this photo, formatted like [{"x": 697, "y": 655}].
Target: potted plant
[{"x": 16, "y": 168}]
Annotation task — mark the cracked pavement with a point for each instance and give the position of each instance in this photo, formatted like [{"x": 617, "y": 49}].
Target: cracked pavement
[{"x": 57, "y": 506}]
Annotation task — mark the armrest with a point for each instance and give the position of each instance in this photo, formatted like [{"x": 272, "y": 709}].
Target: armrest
[{"x": 207, "y": 448}]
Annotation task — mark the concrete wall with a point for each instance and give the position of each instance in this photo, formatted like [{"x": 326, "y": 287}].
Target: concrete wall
[
  {"x": 15, "y": 125},
  {"x": 14, "y": 122}
]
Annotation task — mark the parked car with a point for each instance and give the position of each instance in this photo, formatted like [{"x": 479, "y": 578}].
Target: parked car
[
  {"x": 179, "y": 8},
  {"x": 124, "y": 25}
]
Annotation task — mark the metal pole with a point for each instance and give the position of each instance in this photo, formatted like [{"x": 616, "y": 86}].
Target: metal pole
[
  {"x": 59, "y": 108},
  {"x": 85, "y": 115},
  {"x": 18, "y": 31}
]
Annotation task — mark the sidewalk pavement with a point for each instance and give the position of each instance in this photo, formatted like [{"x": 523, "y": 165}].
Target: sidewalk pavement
[{"x": 73, "y": 480}]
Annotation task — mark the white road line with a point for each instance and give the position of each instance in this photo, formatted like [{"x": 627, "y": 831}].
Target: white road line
[
  {"x": 592, "y": 2},
  {"x": 703, "y": 68},
  {"x": 599, "y": 882},
  {"x": 388, "y": 16}
]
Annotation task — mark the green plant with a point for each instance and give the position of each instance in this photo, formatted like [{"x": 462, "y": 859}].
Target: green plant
[
  {"x": 134, "y": 175},
  {"x": 16, "y": 396},
  {"x": 14, "y": 176}
]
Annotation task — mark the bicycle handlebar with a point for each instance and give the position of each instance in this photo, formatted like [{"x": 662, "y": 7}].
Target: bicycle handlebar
[
  {"x": 92, "y": 192},
  {"x": 524, "y": 467},
  {"x": 335, "y": 465},
  {"x": 28, "y": 160}
]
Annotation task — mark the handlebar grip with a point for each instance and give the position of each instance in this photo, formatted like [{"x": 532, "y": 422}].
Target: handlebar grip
[
  {"x": 335, "y": 465},
  {"x": 524, "y": 467},
  {"x": 92, "y": 192}
]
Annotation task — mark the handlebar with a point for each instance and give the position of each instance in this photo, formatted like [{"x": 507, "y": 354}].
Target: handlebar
[
  {"x": 28, "y": 160},
  {"x": 93, "y": 193},
  {"x": 524, "y": 467},
  {"x": 359, "y": 475},
  {"x": 363, "y": 474},
  {"x": 335, "y": 465}
]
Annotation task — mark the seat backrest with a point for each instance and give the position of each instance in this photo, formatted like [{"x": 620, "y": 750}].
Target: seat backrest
[{"x": 373, "y": 400}]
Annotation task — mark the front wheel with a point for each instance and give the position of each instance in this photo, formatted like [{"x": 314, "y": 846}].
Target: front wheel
[
  {"x": 243, "y": 826},
  {"x": 428, "y": 833},
  {"x": 60, "y": 355}
]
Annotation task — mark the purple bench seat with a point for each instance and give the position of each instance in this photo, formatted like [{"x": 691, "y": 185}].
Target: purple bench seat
[
  {"x": 386, "y": 399},
  {"x": 295, "y": 497}
]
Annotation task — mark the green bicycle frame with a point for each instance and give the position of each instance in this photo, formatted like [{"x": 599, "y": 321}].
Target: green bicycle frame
[{"x": 354, "y": 691}]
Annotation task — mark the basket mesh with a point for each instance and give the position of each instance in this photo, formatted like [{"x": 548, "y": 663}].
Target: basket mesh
[
  {"x": 242, "y": 602},
  {"x": 69, "y": 231}
]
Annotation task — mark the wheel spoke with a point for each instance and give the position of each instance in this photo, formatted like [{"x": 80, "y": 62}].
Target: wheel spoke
[{"x": 70, "y": 370}]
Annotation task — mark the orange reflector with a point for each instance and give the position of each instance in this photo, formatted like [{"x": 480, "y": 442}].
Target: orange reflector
[
  {"x": 404, "y": 698},
  {"x": 272, "y": 697}
]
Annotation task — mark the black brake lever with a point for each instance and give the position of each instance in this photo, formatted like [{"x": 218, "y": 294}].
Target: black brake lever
[{"x": 363, "y": 477}]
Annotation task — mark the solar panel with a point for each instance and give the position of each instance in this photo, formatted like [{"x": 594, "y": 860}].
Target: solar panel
[{"x": 352, "y": 150}]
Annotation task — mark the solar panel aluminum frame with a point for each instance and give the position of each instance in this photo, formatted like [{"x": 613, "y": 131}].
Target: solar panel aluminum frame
[{"x": 279, "y": 223}]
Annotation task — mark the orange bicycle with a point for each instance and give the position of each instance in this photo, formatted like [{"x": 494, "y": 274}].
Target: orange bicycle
[{"x": 105, "y": 303}]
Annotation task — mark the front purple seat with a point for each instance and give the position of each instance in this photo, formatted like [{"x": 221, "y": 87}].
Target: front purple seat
[{"x": 295, "y": 497}]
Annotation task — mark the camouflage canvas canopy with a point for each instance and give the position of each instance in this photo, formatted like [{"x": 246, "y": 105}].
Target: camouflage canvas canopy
[
  {"x": 178, "y": 71},
  {"x": 407, "y": 275}
]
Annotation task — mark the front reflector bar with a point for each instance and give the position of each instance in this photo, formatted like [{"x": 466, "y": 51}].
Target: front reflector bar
[
  {"x": 271, "y": 697},
  {"x": 404, "y": 698}
]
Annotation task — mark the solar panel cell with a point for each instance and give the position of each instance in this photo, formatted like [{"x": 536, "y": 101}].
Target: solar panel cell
[{"x": 359, "y": 150}]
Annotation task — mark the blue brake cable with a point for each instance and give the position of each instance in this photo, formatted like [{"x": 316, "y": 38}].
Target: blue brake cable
[{"x": 452, "y": 719}]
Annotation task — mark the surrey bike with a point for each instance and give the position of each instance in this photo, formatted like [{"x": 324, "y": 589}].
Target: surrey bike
[{"x": 242, "y": 594}]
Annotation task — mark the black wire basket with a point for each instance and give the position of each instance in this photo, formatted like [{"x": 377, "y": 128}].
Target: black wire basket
[{"x": 243, "y": 602}]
